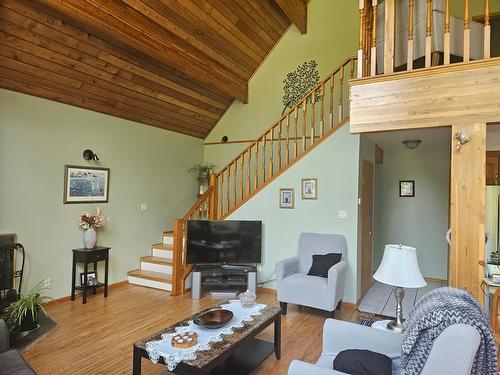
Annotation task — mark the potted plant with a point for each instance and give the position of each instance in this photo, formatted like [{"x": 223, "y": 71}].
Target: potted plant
[
  {"x": 23, "y": 314},
  {"x": 89, "y": 224},
  {"x": 494, "y": 263},
  {"x": 204, "y": 172}
]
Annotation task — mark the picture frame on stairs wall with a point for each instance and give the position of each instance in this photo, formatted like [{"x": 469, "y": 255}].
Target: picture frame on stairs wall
[
  {"x": 309, "y": 188},
  {"x": 287, "y": 198}
]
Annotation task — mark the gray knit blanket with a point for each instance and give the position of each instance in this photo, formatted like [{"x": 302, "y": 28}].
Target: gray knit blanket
[{"x": 434, "y": 312}]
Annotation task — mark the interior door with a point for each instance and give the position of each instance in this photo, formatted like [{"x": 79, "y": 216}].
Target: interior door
[{"x": 367, "y": 175}]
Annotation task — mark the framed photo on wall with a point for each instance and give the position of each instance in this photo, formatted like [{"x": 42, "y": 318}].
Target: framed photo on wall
[
  {"x": 85, "y": 184},
  {"x": 309, "y": 188},
  {"x": 287, "y": 198},
  {"x": 407, "y": 188}
]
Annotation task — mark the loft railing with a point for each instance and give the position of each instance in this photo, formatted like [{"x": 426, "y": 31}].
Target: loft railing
[
  {"x": 369, "y": 24},
  {"x": 320, "y": 113}
]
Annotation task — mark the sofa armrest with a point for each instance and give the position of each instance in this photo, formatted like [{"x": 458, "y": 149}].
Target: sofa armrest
[
  {"x": 336, "y": 280},
  {"x": 304, "y": 368},
  {"x": 286, "y": 267},
  {"x": 4, "y": 337},
  {"x": 339, "y": 335}
]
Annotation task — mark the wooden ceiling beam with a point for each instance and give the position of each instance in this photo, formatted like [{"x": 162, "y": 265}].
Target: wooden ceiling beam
[
  {"x": 118, "y": 23},
  {"x": 296, "y": 11}
]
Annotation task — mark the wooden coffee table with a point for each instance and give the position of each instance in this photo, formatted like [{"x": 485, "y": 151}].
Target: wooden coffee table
[{"x": 238, "y": 353}]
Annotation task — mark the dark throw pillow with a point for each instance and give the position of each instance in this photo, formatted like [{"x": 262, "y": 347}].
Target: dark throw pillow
[
  {"x": 362, "y": 362},
  {"x": 322, "y": 263}
]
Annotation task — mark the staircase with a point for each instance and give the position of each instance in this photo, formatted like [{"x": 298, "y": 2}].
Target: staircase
[{"x": 313, "y": 119}]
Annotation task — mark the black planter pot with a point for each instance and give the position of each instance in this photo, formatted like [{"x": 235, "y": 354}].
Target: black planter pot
[{"x": 28, "y": 323}]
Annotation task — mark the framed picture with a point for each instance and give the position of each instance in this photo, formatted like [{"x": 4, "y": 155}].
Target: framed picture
[
  {"x": 287, "y": 197},
  {"x": 85, "y": 184},
  {"x": 407, "y": 188},
  {"x": 309, "y": 188},
  {"x": 91, "y": 278}
]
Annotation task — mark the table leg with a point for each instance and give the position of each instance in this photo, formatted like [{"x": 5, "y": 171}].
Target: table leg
[
  {"x": 84, "y": 286},
  {"x": 277, "y": 336},
  {"x": 137, "y": 362},
  {"x": 94, "y": 290},
  {"x": 73, "y": 271},
  {"x": 106, "y": 276}
]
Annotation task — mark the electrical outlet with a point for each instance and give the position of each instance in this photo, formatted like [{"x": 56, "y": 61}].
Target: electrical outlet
[{"x": 144, "y": 207}]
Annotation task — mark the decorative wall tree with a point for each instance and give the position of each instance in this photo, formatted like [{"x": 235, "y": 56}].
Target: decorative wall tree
[{"x": 298, "y": 83}]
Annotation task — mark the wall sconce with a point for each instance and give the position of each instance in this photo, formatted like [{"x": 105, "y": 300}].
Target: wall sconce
[
  {"x": 412, "y": 144},
  {"x": 89, "y": 155},
  {"x": 462, "y": 138},
  {"x": 224, "y": 139}
]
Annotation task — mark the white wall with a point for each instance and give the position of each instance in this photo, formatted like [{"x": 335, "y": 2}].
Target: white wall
[
  {"x": 421, "y": 221},
  {"x": 335, "y": 164}
]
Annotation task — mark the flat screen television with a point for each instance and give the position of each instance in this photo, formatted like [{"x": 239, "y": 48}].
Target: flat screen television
[{"x": 223, "y": 242}]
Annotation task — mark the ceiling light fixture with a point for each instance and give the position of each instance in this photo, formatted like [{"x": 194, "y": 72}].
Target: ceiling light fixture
[{"x": 412, "y": 144}]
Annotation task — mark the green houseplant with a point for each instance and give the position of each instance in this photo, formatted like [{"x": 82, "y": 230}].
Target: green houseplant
[
  {"x": 23, "y": 314},
  {"x": 204, "y": 170},
  {"x": 494, "y": 263}
]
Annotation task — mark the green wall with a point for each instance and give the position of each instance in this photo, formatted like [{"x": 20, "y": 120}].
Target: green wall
[
  {"x": 421, "y": 221},
  {"x": 335, "y": 164},
  {"x": 332, "y": 33},
  {"x": 148, "y": 165}
]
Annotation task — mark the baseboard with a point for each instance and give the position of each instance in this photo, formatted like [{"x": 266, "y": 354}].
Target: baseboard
[
  {"x": 436, "y": 281},
  {"x": 68, "y": 298}
]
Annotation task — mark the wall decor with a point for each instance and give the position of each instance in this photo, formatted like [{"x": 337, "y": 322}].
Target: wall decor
[
  {"x": 299, "y": 82},
  {"x": 309, "y": 188},
  {"x": 91, "y": 278},
  {"x": 287, "y": 198},
  {"x": 406, "y": 188},
  {"x": 86, "y": 184}
]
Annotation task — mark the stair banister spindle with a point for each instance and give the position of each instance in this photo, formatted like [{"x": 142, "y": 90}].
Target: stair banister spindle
[
  {"x": 447, "y": 34},
  {"x": 428, "y": 34},
  {"x": 341, "y": 94},
  {"x": 296, "y": 121},
  {"x": 264, "y": 158},
  {"x": 249, "y": 170},
  {"x": 313, "y": 113},
  {"x": 235, "y": 179},
  {"x": 409, "y": 56},
  {"x": 373, "y": 52},
  {"x": 487, "y": 30},
  {"x": 361, "y": 36},
  {"x": 389, "y": 36},
  {"x": 228, "y": 207},
  {"x": 332, "y": 82},
  {"x": 287, "y": 151},
  {"x": 271, "y": 153},
  {"x": 466, "y": 31},
  {"x": 304, "y": 124},
  {"x": 242, "y": 172},
  {"x": 221, "y": 200},
  {"x": 256, "y": 168},
  {"x": 322, "y": 111},
  {"x": 279, "y": 145}
]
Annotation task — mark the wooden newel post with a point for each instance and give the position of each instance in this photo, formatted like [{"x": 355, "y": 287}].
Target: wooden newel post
[
  {"x": 212, "y": 203},
  {"x": 177, "y": 269}
]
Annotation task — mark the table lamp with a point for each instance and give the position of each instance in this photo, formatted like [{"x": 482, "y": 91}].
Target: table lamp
[{"x": 399, "y": 268}]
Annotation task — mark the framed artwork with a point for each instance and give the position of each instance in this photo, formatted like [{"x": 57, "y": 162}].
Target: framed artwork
[
  {"x": 407, "y": 188},
  {"x": 91, "y": 278},
  {"x": 309, "y": 188},
  {"x": 287, "y": 197},
  {"x": 85, "y": 184}
]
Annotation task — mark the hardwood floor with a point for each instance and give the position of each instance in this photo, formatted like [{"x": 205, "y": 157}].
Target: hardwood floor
[{"x": 97, "y": 338}]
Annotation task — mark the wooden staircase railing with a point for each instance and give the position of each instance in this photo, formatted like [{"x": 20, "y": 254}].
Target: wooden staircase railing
[
  {"x": 367, "y": 52},
  {"x": 319, "y": 114}
]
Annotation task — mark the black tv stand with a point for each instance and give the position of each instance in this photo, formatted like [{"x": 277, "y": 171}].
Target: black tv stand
[{"x": 223, "y": 276}]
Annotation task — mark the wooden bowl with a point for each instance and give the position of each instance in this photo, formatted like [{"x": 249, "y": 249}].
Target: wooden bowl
[{"x": 213, "y": 318}]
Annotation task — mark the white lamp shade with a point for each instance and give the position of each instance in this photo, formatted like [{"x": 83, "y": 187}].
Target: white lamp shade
[{"x": 399, "y": 267}]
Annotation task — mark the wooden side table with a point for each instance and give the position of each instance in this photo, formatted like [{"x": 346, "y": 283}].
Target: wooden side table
[{"x": 86, "y": 256}]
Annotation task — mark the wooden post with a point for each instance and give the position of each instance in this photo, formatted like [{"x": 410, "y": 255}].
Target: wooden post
[
  {"x": 313, "y": 113},
  {"x": 228, "y": 187},
  {"x": 249, "y": 171},
  {"x": 242, "y": 172},
  {"x": 409, "y": 56},
  {"x": 361, "y": 37},
  {"x": 221, "y": 198},
  {"x": 389, "y": 26},
  {"x": 235, "y": 179},
  {"x": 256, "y": 171},
  {"x": 447, "y": 34},
  {"x": 466, "y": 31},
  {"x": 304, "y": 124},
  {"x": 428, "y": 35},
  {"x": 271, "y": 154},
  {"x": 332, "y": 82},
  {"x": 212, "y": 204},
  {"x": 322, "y": 112},
  {"x": 487, "y": 30},
  {"x": 264, "y": 159},
  {"x": 279, "y": 145},
  {"x": 287, "y": 152},
  {"x": 177, "y": 271},
  {"x": 341, "y": 94},
  {"x": 467, "y": 207},
  {"x": 296, "y": 121},
  {"x": 373, "y": 53}
]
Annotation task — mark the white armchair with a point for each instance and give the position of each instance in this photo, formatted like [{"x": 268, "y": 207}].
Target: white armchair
[{"x": 295, "y": 286}]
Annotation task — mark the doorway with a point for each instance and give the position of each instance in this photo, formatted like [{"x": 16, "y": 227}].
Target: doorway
[{"x": 367, "y": 183}]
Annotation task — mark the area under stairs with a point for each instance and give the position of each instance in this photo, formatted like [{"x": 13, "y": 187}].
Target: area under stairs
[{"x": 156, "y": 269}]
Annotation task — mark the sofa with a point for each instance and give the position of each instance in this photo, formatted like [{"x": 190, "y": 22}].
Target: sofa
[
  {"x": 452, "y": 353},
  {"x": 11, "y": 361},
  {"x": 295, "y": 286}
]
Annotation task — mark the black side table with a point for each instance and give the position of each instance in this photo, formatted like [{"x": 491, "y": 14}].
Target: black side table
[{"x": 86, "y": 256}]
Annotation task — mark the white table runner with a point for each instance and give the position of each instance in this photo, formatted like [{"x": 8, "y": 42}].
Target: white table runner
[{"x": 172, "y": 356}]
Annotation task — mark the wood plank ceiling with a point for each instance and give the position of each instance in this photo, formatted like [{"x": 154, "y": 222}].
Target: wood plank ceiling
[{"x": 172, "y": 64}]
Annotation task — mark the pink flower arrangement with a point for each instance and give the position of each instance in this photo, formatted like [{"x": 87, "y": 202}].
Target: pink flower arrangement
[{"x": 88, "y": 221}]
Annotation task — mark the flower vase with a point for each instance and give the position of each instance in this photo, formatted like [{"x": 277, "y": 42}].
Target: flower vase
[{"x": 89, "y": 238}]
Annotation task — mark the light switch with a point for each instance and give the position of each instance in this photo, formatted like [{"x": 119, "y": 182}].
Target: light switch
[
  {"x": 144, "y": 207},
  {"x": 342, "y": 214}
]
